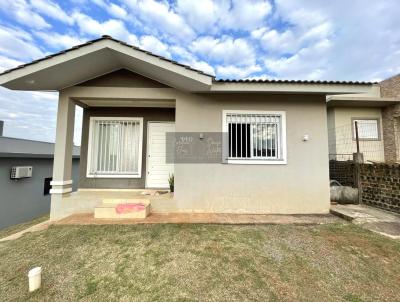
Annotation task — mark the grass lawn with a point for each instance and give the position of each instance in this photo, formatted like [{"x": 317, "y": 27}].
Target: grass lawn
[
  {"x": 336, "y": 262},
  {"x": 22, "y": 226}
]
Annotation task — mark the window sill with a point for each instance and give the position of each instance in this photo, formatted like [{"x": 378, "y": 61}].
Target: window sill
[
  {"x": 255, "y": 162},
  {"x": 113, "y": 176}
]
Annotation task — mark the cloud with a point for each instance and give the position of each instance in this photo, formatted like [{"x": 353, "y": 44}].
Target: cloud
[
  {"x": 308, "y": 64},
  {"x": 152, "y": 44},
  {"x": 52, "y": 10},
  {"x": 235, "y": 72},
  {"x": 200, "y": 15},
  {"x": 161, "y": 18},
  {"x": 7, "y": 63},
  {"x": 238, "y": 15},
  {"x": 246, "y": 14},
  {"x": 113, "y": 27},
  {"x": 292, "y": 39},
  {"x": 56, "y": 40},
  {"x": 113, "y": 9},
  {"x": 363, "y": 44},
  {"x": 225, "y": 50},
  {"x": 23, "y": 13},
  {"x": 17, "y": 44},
  {"x": 24, "y": 114}
]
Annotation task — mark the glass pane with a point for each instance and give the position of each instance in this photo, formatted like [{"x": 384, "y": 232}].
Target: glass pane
[{"x": 115, "y": 147}]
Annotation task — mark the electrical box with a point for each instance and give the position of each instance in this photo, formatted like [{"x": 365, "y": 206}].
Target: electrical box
[{"x": 21, "y": 172}]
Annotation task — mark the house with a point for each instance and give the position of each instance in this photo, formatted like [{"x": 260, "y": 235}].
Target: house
[
  {"x": 23, "y": 199},
  {"x": 378, "y": 117},
  {"x": 272, "y": 133}
]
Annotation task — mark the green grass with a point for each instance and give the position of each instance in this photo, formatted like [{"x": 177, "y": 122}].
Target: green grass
[
  {"x": 337, "y": 262},
  {"x": 22, "y": 226}
]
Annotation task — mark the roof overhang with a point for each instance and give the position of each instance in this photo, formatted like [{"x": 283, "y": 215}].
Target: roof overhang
[
  {"x": 355, "y": 101},
  {"x": 293, "y": 88},
  {"x": 92, "y": 59}
]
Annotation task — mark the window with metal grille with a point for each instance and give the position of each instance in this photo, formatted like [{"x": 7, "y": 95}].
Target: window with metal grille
[
  {"x": 256, "y": 137},
  {"x": 115, "y": 147}
]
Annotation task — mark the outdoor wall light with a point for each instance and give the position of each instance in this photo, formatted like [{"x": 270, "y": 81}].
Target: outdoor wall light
[{"x": 305, "y": 137}]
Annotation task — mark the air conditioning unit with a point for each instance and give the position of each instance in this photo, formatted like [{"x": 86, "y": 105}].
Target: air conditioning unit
[{"x": 21, "y": 172}]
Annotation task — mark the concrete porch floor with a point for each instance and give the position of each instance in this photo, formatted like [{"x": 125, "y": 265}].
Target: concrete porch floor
[
  {"x": 153, "y": 218},
  {"x": 376, "y": 220}
]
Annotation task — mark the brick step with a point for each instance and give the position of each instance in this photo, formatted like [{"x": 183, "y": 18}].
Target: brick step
[{"x": 108, "y": 209}]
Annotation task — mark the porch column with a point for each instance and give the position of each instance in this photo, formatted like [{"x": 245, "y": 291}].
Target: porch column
[{"x": 62, "y": 166}]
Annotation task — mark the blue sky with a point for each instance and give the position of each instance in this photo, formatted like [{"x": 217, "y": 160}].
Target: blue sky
[{"x": 291, "y": 39}]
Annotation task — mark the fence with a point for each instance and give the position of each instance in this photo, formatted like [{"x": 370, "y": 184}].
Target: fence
[
  {"x": 380, "y": 186},
  {"x": 378, "y": 182},
  {"x": 343, "y": 143}
]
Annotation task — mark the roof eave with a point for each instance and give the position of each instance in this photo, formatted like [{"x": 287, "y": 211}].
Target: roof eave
[{"x": 291, "y": 87}]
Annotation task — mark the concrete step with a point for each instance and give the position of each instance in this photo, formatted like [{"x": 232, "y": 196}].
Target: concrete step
[
  {"x": 126, "y": 200},
  {"x": 108, "y": 210}
]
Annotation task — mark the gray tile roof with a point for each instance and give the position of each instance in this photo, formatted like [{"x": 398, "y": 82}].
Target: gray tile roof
[{"x": 17, "y": 147}]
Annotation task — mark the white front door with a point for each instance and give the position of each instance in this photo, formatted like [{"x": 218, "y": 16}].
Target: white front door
[{"x": 158, "y": 170}]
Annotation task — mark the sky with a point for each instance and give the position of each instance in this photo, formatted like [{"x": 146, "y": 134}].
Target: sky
[{"x": 281, "y": 39}]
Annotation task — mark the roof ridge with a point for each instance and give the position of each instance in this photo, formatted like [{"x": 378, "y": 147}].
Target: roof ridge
[{"x": 102, "y": 38}]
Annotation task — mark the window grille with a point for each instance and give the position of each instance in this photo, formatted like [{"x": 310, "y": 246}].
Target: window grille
[{"x": 254, "y": 136}]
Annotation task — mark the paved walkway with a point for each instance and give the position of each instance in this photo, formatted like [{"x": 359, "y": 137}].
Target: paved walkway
[
  {"x": 37, "y": 227},
  {"x": 87, "y": 219},
  {"x": 373, "y": 219}
]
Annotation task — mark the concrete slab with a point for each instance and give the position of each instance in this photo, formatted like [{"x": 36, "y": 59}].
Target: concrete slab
[
  {"x": 35, "y": 228},
  {"x": 215, "y": 218},
  {"x": 373, "y": 219}
]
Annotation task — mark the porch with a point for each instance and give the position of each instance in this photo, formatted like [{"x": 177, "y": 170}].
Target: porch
[
  {"x": 123, "y": 145},
  {"x": 85, "y": 201}
]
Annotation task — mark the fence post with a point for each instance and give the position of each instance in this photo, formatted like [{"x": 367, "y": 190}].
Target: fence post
[{"x": 358, "y": 159}]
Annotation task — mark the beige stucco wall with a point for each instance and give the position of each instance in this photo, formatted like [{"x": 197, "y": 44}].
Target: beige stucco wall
[
  {"x": 341, "y": 139},
  {"x": 300, "y": 186}
]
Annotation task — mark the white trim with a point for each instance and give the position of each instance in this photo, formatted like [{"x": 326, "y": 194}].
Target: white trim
[
  {"x": 60, "y": 191},
  {"x": 90, "y": 141},
  {"x": 60, "y": 182},
  {"x": 283, "y": 146}
]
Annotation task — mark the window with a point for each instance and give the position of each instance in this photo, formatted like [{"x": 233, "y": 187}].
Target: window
[
  {"x": 368, "y": 129},
  {"x": 115, "y": 147},
  {"x": 47, "y": 186},
  {"x": 255, "y": 137}
]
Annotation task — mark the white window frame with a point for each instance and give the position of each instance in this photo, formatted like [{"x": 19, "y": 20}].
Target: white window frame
[
  {"x": 90, "y": 146},
  {"x": 360, "y": 119},
  {"x": 254, "y": 161}
]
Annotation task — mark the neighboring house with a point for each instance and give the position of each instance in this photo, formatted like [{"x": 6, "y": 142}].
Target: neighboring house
[
  {"x": 378, "y": 116},
  {"x": 390, "y": 88},
  {"x": 23, "y": 199},
  {"x": 274, "y": 132}
]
